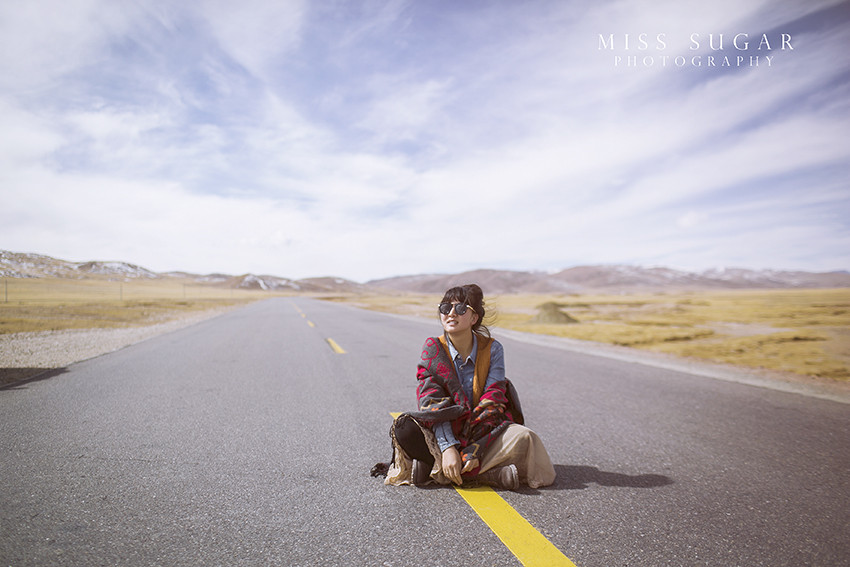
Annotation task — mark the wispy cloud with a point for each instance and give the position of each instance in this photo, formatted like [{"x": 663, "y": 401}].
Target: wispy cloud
[{"x": 404, "y": 137}]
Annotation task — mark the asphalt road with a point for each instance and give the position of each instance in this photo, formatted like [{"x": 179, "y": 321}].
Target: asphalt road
[{"x": 246, "y": 440}]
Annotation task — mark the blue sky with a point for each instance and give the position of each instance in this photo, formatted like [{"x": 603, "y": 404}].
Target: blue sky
[{"x": 371, "y": 139}]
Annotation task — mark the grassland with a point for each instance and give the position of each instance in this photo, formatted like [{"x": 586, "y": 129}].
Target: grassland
[
  {"x": 806, "y": 332},
  {"x": 57, "y": 304}
]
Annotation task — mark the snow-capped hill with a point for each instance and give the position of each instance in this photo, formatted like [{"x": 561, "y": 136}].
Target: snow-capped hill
[
  {"x": 330, "y": 285},
  {"x": 616, "y": 278},
  {"x": 21, "y": 265},
  {"x": 745, "y": 278},
  {"x": 308, "y": 285},
  {"x": 492, "y": 281},
  {"x": 24, "y": 265},
  {"x": 620, "y": 275},
  {"x": 579, "y": 279},
  {"x": 266, "y": 283},
  {"x": 117, "y": 269}
]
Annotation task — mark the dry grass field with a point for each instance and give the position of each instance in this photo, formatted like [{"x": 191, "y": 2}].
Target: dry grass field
[
  {"x": 806, "y": 332},
  {"x": 42, "y": 304}
]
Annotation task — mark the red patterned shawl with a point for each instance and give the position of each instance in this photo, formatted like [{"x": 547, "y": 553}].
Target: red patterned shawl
[{"x": 441, "y": 398}]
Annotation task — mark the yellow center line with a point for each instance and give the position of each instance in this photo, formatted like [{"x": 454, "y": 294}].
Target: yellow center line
[
  {"x": 519, "y": 536},
  {"x": 336, "y": 348}
]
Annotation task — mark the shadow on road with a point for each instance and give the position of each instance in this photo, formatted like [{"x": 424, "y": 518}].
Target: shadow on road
[
  {"x": 13, "y": 378},
  {"x": 579, "y": 477}
]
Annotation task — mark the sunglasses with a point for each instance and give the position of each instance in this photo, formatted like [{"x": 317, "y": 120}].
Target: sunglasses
[{"x": 460, "y": 308}]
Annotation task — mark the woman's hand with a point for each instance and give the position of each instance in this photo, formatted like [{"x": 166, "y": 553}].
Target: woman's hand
[
  {"x": 470, "y": 466},
  {"x": 452, "y": 465}
]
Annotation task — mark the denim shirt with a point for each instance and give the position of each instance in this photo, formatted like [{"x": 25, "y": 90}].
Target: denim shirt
[{"x": 466, "y": 373}]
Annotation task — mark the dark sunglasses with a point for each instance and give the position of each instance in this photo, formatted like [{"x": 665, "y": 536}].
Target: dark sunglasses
[{"x": 460, "y": 308}]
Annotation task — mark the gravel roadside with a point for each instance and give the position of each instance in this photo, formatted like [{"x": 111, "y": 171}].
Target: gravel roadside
[{"x": 26, "y": 355}]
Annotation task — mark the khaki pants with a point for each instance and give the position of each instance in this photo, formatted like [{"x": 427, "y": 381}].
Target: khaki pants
[
  {"x": 517, "y": 445},
  {"x": 520, "y": 446}
]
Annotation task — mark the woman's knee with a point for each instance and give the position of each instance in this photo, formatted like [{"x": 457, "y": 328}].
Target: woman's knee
[{"x": 412, "y": 440}]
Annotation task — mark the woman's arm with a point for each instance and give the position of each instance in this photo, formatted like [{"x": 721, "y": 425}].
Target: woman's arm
[
  {"x": 436, "y": 391},
  {"x": 497, "y": 364},
  {"x": 488, "y": 418},
  {"x": 444, "y": 434}
]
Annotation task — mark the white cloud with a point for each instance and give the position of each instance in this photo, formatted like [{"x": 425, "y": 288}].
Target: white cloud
[
  {"x": 396, "y": 139},
  {"x": 256, "y": 33},
  {"x": 159, "y": 224},
  {"x": 43, "y": 39},
  {"x": 401, "y": 108},
  {"x": 691, "y": 219},
  {"x": 24, "y": 137}
]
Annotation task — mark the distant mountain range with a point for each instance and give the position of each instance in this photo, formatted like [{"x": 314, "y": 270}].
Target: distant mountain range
[
  {"x": 24, "y": 265},
  {"x": 582, "y": 279}
]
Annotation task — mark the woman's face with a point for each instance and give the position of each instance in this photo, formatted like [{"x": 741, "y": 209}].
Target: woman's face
[{"x": 455, "y": 324}]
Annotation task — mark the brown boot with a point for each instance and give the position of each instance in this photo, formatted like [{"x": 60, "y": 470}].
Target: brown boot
[{"x": 501, "y": 477}]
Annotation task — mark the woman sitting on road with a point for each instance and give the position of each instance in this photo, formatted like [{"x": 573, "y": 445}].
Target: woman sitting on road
[{"x": 468, "y": 426}]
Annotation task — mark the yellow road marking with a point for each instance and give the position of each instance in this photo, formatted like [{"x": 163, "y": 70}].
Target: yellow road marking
[
  {"x": 336, "y": 348},
  {"x": 519, "y": 536},
  {"x": 526, "y": 543}
]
